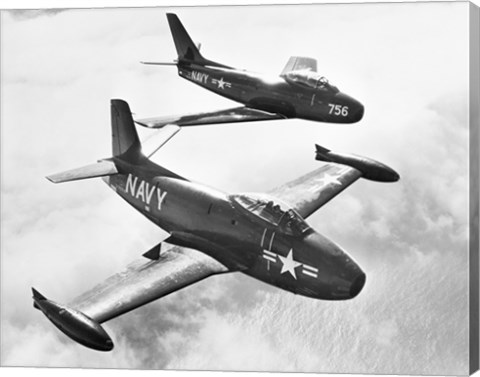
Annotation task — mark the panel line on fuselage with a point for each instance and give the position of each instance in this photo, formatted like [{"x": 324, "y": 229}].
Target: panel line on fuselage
[
  {"x": 271, "y": 241},
  {"x": 263, "y": 237}
]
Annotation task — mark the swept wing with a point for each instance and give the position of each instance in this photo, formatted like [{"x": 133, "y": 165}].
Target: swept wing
[
  {"x": 146, "y": 280},
  {"x": 143, "y": 281},
  {"x": 233, "y": 115},
  {"x": 311, "y": 191}
]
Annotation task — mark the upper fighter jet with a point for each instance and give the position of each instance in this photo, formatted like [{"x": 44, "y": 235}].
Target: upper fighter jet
[
  {"x": 298, "y": 92},
  {"x": 211, "y": 232}
]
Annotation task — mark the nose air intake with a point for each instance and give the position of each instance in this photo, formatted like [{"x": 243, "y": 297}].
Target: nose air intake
[{"x": 357, "y": 285}]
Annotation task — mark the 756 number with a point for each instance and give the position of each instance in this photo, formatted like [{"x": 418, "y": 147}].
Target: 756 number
[{"x": 338, "y": 110}]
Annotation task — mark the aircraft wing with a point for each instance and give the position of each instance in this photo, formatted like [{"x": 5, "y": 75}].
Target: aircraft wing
[
  {"x": 311, "y": 191},
  {"x": 233, "y": 115},
  {"x": 298, "y": 63},
  {"x": 146, "y": 280}
]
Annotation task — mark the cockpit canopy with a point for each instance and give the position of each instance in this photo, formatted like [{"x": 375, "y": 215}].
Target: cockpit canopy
[
  {"x": 311, "y": 79},
  {"x": 273, "y": 211}
]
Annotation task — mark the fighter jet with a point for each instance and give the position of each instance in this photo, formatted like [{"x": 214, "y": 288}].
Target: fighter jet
[
  {"x": 298, "y": 92},
  {"x": 211, "y": 232}
]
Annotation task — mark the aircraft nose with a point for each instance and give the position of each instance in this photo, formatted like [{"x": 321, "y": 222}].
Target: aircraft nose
[
  {"x": 358, "y": 113},
  {"x": 357, "y": 110},
  {"x": 341, "y": 278},
  {"x": 357, "y": 285},
  {"x": 352, "y": 111}
]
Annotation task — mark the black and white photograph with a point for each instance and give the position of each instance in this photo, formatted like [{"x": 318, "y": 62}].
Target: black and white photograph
[{"x": 261, "y": 188}]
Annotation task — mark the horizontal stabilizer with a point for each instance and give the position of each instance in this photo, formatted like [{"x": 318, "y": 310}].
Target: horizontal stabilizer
[
  {"x": 154, "y": 142},
  {"x": 159, "y": 63},
  {"x": 233, "y": 115},
  {"x": 100, "y": 169}
]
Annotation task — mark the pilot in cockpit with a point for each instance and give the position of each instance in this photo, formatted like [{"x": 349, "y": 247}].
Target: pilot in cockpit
[
  {"x": 275, "y": 213},
  {"x": 292, "y": 223},
  {"x": 311, "y": 79},
  {"x": 322, "y": 82}
]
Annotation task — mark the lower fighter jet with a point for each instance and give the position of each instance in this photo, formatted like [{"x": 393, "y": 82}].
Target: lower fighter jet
[
  {"x": 298, "y": 92},
  {"x": 211, "y": 232}
]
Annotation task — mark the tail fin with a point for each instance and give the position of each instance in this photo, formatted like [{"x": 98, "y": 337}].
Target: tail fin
[
  {"x": 124, "y": 135},
  {"x": 186, "y": 49},
  {"x": 126, "y": 146},
  {"x": 102, "y": 168},
  {"x": 37, "y": 296}
]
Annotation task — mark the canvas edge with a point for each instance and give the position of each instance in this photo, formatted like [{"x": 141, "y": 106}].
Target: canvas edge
[
  {"x": 474, "y": 170},
  {"x": 474, "y": 116}
]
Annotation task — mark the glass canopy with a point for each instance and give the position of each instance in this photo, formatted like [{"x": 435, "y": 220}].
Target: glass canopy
[
  {"x": 273, "y": 211},
  {"x": 311, "y": 79}
]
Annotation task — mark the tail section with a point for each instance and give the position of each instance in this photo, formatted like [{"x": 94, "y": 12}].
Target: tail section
[
  {"x": 125, "y": 139},
  {"x": 100, "y": 169},
  {"x": 186, "y": 49},
  {"x": 126, "y": 146}
]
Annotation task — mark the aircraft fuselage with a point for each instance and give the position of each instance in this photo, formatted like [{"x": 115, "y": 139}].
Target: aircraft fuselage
[
  {"x": 275, "y": 94},
  {"x": 213, "y": 222}
]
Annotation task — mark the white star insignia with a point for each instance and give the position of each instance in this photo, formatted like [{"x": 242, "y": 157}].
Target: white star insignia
[
  {"x": 327, "y": 179},
  {"x": 221, "y": 83},
  {"x": 289, "y": 264}
]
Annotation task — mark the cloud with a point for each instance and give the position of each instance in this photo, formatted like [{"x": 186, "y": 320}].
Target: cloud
[
  {"x": 22, "y": 14},
  {"x": 410, "y": 237},
  {"x": 294, "y": 333}
]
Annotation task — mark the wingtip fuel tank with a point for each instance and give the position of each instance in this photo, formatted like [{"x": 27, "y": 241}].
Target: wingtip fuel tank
[
  {"x": 370, "y": 168},
  {"x": 73, "y": 323}
]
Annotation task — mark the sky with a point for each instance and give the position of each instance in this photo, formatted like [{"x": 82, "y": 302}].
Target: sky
[{"x": 59, "y": 71}]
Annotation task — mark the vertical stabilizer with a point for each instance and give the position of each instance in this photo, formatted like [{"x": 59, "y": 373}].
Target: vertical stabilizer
[
  {"x": 124, "y": 135},
  {"x": 186, "y": 49}
]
